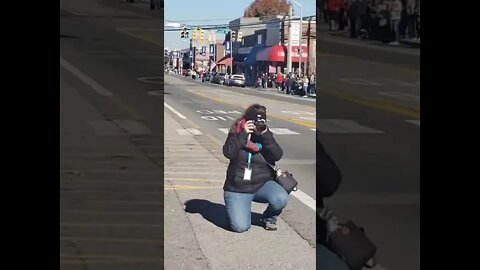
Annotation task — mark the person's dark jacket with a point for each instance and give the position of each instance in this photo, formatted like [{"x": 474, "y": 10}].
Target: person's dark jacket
[
  {"x": 328, "y": 180},
  {"x": 235, "y": 150}
]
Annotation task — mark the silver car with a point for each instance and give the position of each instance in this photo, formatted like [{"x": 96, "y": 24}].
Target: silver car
[{"x": 237, "y": 80}]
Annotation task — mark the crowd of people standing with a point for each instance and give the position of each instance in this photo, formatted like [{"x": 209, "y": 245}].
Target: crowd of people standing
[
  {"x": 386, "y": 20},
  {"x": 291, "y": 84}
]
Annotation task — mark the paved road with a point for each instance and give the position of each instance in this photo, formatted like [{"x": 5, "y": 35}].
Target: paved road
[{"x": 375, "y": 143}]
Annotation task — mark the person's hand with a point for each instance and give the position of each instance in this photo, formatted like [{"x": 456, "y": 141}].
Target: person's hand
[
  {"x": 248, "y": 126},
  {"x": 258, "y": 132}
]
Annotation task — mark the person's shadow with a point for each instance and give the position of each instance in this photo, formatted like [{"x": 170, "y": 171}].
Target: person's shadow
[{"x": 215, "y": 213}]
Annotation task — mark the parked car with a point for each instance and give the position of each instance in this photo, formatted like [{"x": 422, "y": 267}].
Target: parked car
[
  {"x": 297, "y": 88},
  {"x": 219, "y": 78},
  {"x": 237, "y": 80},
  {"x": 206, "y": 77}
]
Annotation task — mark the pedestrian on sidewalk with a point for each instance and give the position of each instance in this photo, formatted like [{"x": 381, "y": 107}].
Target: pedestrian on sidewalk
[
  {"x": 353, "y": 14},
  {"x": 288, "y": 84},
  {"x": 395, "y": 8},
  {"x": 279, "y": 81},
  {"x": 311, "y": 84},
  {"x": 333, "y": 10},
  {"x": 342, "y": 16},
  {"x": 304, "y": 81},
  {"x": 383, "y": 21},
  {"x": 249, "y": 177},
  {"x": 410, "y": 11},
  {"x": 363, "y": 13},
  {"x": 417, "y": 18},
  {"x": 264, "y": 80}
]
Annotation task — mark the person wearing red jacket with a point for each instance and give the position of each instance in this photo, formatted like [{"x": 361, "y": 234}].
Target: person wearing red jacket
[
  {"x": 334, "y": 7},
  {"x": 279, "y": 81}
]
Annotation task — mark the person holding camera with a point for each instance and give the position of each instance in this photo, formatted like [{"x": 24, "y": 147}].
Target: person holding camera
[{"x": 249, "y": 146}]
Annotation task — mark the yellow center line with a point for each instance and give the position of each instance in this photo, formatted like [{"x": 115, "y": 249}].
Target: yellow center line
[
  {"x": 404, "y": 69},
  {"x": 377, "y": 104}
]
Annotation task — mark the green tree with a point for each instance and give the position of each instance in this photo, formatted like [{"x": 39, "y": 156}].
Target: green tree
[{"x": 266, "y": 8}]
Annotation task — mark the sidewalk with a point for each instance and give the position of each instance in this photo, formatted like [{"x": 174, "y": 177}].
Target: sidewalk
[
  {"x": 110, "y": 194},
  {"x": 194, "y": 174},
  {"x": 268, "y": 90}
]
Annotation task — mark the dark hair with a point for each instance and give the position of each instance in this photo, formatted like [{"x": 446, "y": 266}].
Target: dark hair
[{"x": 248, "y": 111}]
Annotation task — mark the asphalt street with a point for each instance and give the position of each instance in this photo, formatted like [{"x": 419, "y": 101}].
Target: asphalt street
[{"x": 371, "y": 132}]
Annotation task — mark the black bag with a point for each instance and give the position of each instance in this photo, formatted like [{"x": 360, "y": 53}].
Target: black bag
[
  {"x": 284, "y": 179},
  {"x": 287, "y": 181},
  {"x": 349, "y": 242}
]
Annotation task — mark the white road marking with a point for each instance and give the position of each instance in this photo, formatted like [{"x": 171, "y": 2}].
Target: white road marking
[
  {"x": 174, "y": 111},
  {"x": 342, "y": 126},
  {"x": 308, "y": 118},
  {"x": 360, "y": 81},
  {"x": 155, "y": 93},
  {"x": 84, "y": 78},
  {"x": 314, "y": 129},
  {"x": 154, "y": 80},
  {"x": 305, "y": 199},
  {"x": 400, "y": 95},
  {"x": 277, "y": 131},
  {"x": 283, "y": 131},
  {"x": 402, "y": 83},
  {"x": 415, "y": 122},
  {"x": 224, "y": 130},
  {"x": 189, "y": 132}
]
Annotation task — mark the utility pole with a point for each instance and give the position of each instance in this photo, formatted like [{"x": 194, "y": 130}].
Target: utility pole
[
  {"x": 231, "y": 53},
  {"x": 289, "y": 47},
  {"x": 191, "y": 53},
  {"x": 308, "y": 44}
]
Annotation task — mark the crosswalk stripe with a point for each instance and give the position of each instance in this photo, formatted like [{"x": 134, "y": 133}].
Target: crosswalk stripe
[
  {"x": 283, "y": 131},
  {"x": 415, "y": 122},
  {"x": 189, "y": 132},
  {"x": 224, "y": 130},
  {"x": 343, "y": 126},
  {"x": 277, "y": 131}
]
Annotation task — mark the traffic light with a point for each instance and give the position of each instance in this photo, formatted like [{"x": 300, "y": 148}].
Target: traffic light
[
  {"x": 182, "y": 34},
  {"x": 233, "y": 35},
  {"x": 194, "y": 34},
  {"x": 239, "y": 37},
  {"x": 201, "y": 34}
]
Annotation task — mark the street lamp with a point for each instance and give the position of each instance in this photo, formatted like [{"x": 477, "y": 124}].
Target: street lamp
[{"x": 300, "y": 43}]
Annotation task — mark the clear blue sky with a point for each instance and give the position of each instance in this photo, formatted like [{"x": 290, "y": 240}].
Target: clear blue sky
[{"x": 202, "y": 12}]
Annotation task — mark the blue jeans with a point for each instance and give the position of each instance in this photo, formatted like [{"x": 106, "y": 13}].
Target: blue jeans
[
  {"x": 239, "y": 205},
  {"x": 327, "y": 260}
]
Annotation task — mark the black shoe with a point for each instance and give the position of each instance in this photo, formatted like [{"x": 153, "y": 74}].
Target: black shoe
[{"x": 270, "y": 226}]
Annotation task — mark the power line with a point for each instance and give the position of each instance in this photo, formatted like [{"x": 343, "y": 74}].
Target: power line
[
  {"x": 246, "y": 25},
  {"x": 204, "y": 20}
]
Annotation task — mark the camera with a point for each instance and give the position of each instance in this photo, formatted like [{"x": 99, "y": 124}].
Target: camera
[{"x": 260, "y": 124}]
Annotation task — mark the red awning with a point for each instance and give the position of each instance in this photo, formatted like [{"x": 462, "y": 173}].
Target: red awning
[
  {"x": 272, "y": 54},
  {"x": 227, "y": 60},
  {"x": 295, "y": 54},
  {"x": 277, "y": 53}
]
